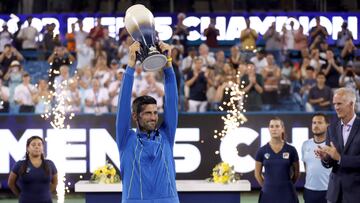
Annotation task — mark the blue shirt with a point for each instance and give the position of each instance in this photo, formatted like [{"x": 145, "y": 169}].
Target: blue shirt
[
  {"x": 147, "y": 165},
  {"x": 34, "y": 184},
  {"x": 317, "y": 176}
]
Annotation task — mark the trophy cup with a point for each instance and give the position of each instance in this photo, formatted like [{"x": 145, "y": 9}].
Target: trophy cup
[{"x": 139, "y": 22}]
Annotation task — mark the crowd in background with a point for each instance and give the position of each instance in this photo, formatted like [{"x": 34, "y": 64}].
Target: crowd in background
[{"x": 276, "y": 69}]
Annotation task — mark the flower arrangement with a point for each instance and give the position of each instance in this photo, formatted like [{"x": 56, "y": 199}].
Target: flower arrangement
[
  {"x": 223, "y": 173},
  {"x": 105, "y": 174}
]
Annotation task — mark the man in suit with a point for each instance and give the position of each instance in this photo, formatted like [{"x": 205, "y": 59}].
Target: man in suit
[{"x": 342, "y": 152}]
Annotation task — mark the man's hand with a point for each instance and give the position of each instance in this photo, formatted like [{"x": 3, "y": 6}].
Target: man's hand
[
  {"x": 134, "y": 47},
  {"x": 321, "y": 152},
  {"x": 165, "y": 48}
]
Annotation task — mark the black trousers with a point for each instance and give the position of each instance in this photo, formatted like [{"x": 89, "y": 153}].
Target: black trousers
[
  {"x": 313, "y": 196},
  {"x": 26, "y": 109}
]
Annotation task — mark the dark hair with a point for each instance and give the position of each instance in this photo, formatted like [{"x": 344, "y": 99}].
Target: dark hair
[
  {"x": 24, "y": 166},
  {"x": 321, "y": 115},
  {"x": 310, "y": 68},
  {"x": 138, "y": 103},
  {"x": 7, "y": 45},
  {"x": 321, "y": 73},
  {"x": 283, "y": 136}
]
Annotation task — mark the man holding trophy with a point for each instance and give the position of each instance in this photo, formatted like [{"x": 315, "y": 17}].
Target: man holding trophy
[{"x": 146, "y": 154}]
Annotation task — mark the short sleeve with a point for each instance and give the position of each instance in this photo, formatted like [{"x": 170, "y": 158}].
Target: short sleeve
[
  {"x": 52, "y": 167},
  {"x": 259, "y": 155},
  {"x": 294, "y": 155},
  {"x": 16, "y": 168}
]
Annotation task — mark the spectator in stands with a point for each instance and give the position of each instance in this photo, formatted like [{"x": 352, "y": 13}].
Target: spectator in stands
[
  {"x": 43, "y": 98},
  {"x": 181, "y": 30},
  {"x": 273, "y": 42},
  {"x": 4, "y": 98},
  {"x": 220, "y": 61},
  {"x": 348, "y": 52},
  {"x": 176, "y": 43},
  {"x": 85, "y": 54},
  {"x": 308, "y": 82},
  {"x": 248, "y": 37},
  {"x": 235, "y": 57},
  {"x": 197, "y": 81},
  {"x": 85, "y": 77},
  {"x": 351, "y": 80},
  {"x": 99, "y": 50},
  {"x": 138, "y": 78},
  {"x": 97, "y": 32},
  {"x": 123, "y": 51},
  {"x": 225, "y": 80},
  {"x": 288, "y": 37},
  {"x": 9, "y": 55},
  {"x": 28, "y": 36},
  {"x": 70, "y": 39},
  {"x": 59, "y": 82},
  {"x": 211, "y": 33},
  {"x": 301, "y": 40},
  {"x": 109, "y": 45},
  {"x": 25, "y": 94},
  {"x": 332, "y": 70},
  {"x": 271, "y": 75},
  {"x": 176, "y": 62},
  {"x": 73, "y": 97},
  {"x": 320, "y": 95},
  {"x": 188, "y": 61},
  {"x": 114, "y": 89},
  {"x": 96, "y": 99},
  {"x": 315, "y": 60},
  {"x": 207, "y": 58},
  {"x": 17, "y": 42},
  {"x": 102, "y": 72},
  {"x": 153, "y": 88},
  {"x": 5, "y": 37},
  {"x": 114, "y": 66},
  {"x": 48, "y": 40},
  {"x": 123, "y": 34},
  {"x": 318, "y": 33},
  {"x": 59, "y": 57},
  {"x": 259, "y": 61},
  {"x": 253, "y": 87},
  {"x": 344, "y": 35},
  {"x": 80, "y": 35},
  {"x": 14, "y": 78}
]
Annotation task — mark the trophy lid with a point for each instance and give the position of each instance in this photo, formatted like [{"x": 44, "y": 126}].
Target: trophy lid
[{"x": 137, "y": 15}]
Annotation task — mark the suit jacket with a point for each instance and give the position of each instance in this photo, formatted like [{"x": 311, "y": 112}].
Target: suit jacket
[{"x": 345, "y": 176}]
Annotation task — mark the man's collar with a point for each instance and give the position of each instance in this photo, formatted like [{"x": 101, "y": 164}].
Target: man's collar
[{"x": 351, "y": 122}]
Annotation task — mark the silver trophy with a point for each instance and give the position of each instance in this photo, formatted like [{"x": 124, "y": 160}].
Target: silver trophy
[{"x": 139, "y": 22}]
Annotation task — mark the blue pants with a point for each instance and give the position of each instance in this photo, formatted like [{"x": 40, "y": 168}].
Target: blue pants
[{"x": 312, "y": 196}]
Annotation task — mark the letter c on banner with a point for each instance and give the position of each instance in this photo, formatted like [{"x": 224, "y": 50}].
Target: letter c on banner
[{"x": 229, "y": 153}]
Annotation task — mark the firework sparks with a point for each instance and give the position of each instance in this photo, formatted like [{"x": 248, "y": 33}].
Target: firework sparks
[
  {"x": 59, "y": 115},
  {"x": 235, "y": 108}
]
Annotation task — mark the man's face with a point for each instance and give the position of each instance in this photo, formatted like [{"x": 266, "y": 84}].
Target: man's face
[
  {"x": 320, "y": 79},
  {"x": 318, "y": 125},
  {"x": 343, "y": 106},
  {"x": 148, "y": 117}
]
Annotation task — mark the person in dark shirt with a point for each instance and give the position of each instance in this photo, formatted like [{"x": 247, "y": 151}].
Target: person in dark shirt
[
  {"x": 211, "y": 34},
  {"x": 281, "y": 163},
  {"x": 320, "y": 95},
  {"x": 253, "y": 84},
  {"x": 34, "y": 178}
]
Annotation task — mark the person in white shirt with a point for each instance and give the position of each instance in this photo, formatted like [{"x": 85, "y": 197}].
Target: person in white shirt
[
  {"x": 64, "y": 76},
  {"x": 114, "y": 89},
  {"x": 96, "y": 99},
  {"x": 28, "y": 36},
  {"x": 73, "y": 99},
  {"x": 80, "y": 35},
  {"x": 24, "y": 95},
  {"x": 85, "y": 54},
  {"x": 4, "y": 98},
  {"x": 5, "y": 37},
  {"x": 138, "y": 78},
  {"x": 259, "y": 61},
  {"x": 317, "y": 176},
  {"x": 152, "y": 88},
  {"x": 123, "y": 51},
  {"x": 208, "y": 60}
]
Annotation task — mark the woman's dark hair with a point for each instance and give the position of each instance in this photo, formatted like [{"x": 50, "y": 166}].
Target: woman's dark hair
[
  {"x": 283, "y": 136},
  {"x": 138, "y": 103},
  {"x": 44, "y": 164}
]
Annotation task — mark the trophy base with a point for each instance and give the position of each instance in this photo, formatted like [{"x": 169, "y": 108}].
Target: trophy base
[{"x": 154, "y": 62}]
